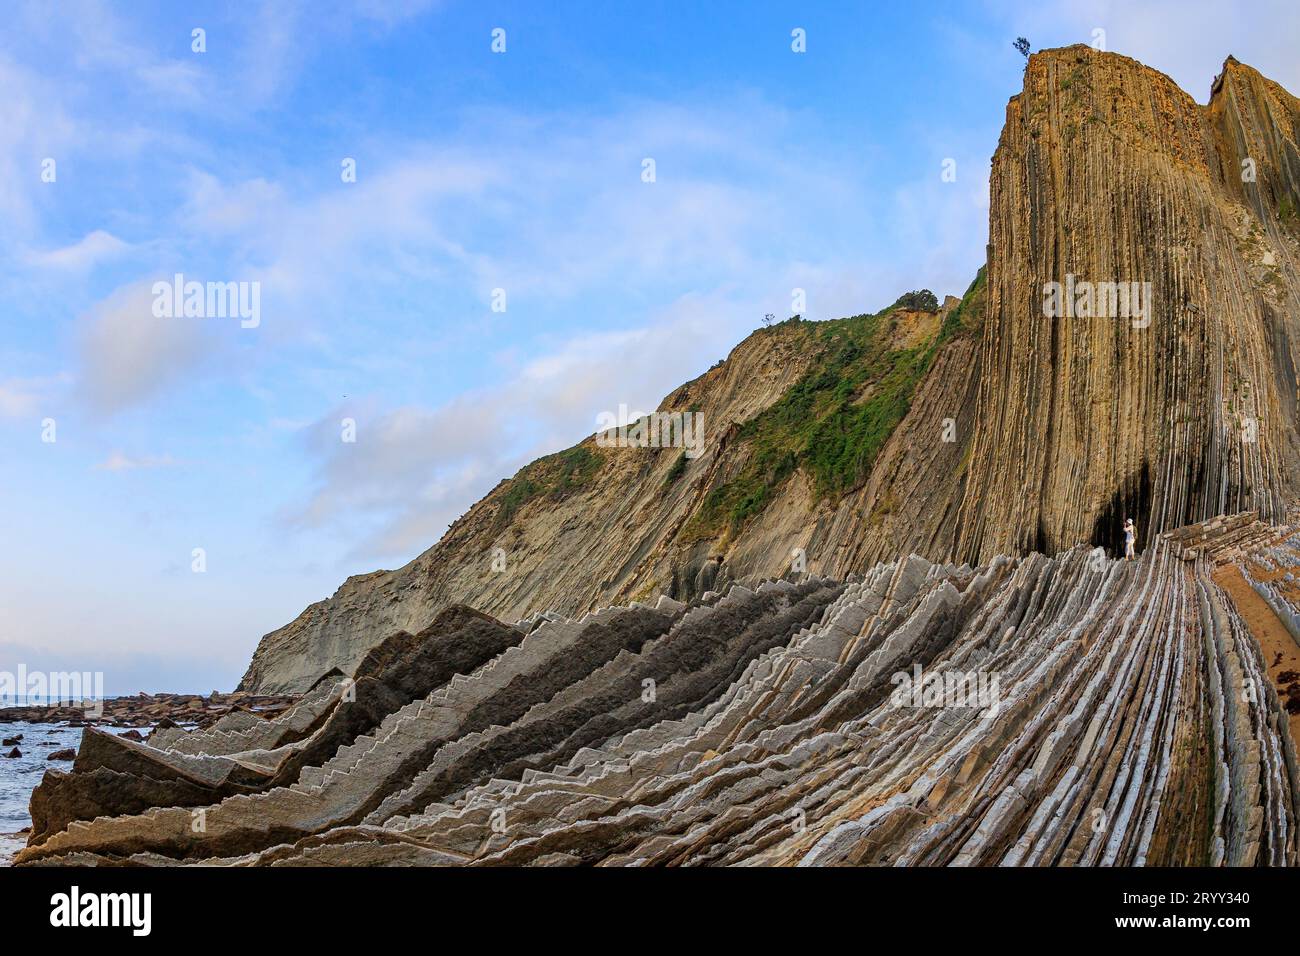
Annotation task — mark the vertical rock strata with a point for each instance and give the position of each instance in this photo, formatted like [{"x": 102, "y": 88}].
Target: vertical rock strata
[{"x": 1107, "y": 172}]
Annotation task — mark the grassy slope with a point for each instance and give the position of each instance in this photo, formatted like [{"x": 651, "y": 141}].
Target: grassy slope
[
  {"x": 554, "y": 476},
  {"x": 832, "y": 423}
]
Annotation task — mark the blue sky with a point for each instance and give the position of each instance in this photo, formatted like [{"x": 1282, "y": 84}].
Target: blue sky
[{"x": 476, "y": 171}]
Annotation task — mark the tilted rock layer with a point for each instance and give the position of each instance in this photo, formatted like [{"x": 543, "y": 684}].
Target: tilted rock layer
[
  {"x": 987, "y": 428},
  {"x": 1032, "y": 711}
]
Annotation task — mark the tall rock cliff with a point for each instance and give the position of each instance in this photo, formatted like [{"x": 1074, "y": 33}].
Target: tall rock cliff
[
  {"x": 1108, "y": 173},
  {"x": 985, "y": 426}
]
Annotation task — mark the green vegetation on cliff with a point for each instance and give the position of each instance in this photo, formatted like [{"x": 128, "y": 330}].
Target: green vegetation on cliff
[
  {"x": 833, "y": 422},
  {"x": 553, "y": 476},
  {"x": 969, "y": 313},
  {"x": 677, "y": 470}
]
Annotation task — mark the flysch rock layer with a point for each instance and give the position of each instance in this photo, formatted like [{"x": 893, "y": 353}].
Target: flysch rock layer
[
  {"x": 243, "y": 753},
  {"x": 1026, "y": 433},
  {"x": 1106, "y": 171},
  {"x": 1072, "y": 710}
]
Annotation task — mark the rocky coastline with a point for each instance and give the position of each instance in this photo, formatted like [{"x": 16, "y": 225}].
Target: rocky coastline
[
  {"x": 152, "y": 710},
  {"x": 10, "y": 844}
]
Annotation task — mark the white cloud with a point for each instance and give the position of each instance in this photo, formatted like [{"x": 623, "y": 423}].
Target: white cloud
[
  {"x": 120, "y": 461},
  {"x": 101, "y": 42},
  {"x": 34, "y": 126},
  {"x": 550, "y": 208},
  {"x": 947, "y": 222},
  {"x": 127, "y": 355},
  {"x": 28, "y": 397},
  {"x": 17, "y": 399},
  {"x": 413, "y": 470},
  {"x": 85, "y": 253},
  {"x": 271, "y": 53}
]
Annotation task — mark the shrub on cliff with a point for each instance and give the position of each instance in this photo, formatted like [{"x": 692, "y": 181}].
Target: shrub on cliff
[{"x": 923, "y": 300}]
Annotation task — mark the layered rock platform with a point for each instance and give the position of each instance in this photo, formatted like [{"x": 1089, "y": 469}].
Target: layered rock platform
[{"x": 1072, "y": 710}]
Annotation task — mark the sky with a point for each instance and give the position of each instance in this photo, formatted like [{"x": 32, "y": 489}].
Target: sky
[{"x": 459, "y": 249}]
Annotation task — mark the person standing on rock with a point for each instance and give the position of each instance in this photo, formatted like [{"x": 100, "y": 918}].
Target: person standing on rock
[{"x": 1130, "y": 537}]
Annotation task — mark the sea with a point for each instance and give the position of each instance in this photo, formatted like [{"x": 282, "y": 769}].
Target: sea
[{"x": 19, "y": 776}]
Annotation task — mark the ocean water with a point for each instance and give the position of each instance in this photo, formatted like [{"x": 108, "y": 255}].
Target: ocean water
[{"x": 19, "y": 776}]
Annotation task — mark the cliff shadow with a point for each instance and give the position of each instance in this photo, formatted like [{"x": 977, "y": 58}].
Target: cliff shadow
[{"x": 1130, "y": 500}]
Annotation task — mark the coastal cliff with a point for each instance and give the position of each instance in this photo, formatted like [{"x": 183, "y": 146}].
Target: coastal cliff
[{"x": 982, "y": 427}]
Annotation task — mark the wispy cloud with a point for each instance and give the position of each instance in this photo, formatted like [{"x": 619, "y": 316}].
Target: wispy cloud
[
  {"x": 128, "y": 355},
  {"x": 18, "y": 398},
  {"x": 85, "y": 253},
  {"x": 102, "y": 42},
  {"x": 27, "y": 397},
  {"x": 34, "y": 126},
  {"x": 412, "y": 470},
  {"x": 551, "y": 208},
  {"x": 120, "y": 461}
]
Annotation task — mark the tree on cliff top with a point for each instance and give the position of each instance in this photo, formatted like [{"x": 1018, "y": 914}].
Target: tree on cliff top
[{"x": 923, "y": 300}]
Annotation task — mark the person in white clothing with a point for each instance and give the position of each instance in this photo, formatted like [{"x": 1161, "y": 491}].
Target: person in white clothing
[{"x": 1130, "y": 538}]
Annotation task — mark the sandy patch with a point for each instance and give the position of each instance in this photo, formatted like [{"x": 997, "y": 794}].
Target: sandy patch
[{"x": 1279, "y": 649}]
